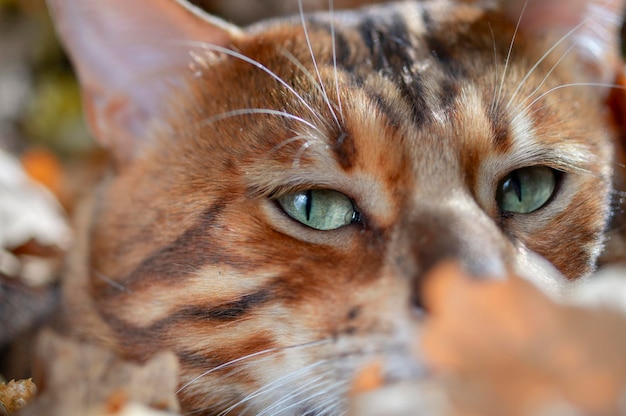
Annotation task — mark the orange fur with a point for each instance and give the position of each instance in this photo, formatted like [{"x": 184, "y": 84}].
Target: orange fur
[{"x": 184, "y": 247}]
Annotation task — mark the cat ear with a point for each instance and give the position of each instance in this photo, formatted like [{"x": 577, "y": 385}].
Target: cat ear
[
  {"x": 592, "y": 26},
  {"x": 129, "y": 55}
]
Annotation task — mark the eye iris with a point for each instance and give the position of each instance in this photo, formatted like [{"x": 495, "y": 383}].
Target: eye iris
[
  {"x": 321, "y": 209},
  {"x": 526, "y": 190},
  {"x": 511, "y": 185}
]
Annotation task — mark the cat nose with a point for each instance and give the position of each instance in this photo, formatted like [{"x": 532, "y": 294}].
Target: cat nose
[
  {"x": 439, "y": 239},
  {"x": 475, "y": 244}
]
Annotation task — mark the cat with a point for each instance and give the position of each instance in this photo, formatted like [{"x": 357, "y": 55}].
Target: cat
[{"x": 279, "y": 192}]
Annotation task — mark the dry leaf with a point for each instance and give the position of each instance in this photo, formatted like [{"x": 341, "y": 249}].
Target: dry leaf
[
  {"x": 33, "y": 236},
  {"x": 44, "y": 167},
  {"x": 504, "y": 348},
  {"x": 27, "y": 210},
  {"x": 15, "y": 394},
  {"x": 83, "y": 379}
]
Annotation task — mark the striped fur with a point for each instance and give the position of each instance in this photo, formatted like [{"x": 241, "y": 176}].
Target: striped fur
[{"x": 420, "y": 112}]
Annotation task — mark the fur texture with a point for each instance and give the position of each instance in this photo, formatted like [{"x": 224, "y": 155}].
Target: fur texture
[{"x": 415, "y": 111}]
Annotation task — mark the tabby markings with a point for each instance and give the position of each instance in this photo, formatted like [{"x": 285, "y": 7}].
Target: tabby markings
[
  {"x": 345, "y": 150},
  {"x": 390, "y": 49},
  {"x": 229, "y": 311},
  {"x": 194, "y": 248}
]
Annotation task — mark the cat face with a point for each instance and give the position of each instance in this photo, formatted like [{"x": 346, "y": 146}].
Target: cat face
[{"x": 280, "y": 193}]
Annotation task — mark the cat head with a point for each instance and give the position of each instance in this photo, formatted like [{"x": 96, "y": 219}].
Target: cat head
[{"x": 280, "y": 191}]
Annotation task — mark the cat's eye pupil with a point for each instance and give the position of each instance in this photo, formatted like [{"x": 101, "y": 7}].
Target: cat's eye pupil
[
  {"x": 526, "y": 190},
  {"x": 321, "y": 209},
  {"x": 309, "y": 203}
]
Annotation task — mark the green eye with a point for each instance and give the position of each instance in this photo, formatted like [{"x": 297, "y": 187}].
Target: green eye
[
  {"x": 321, "y": 209},
  {"x": 526, "y": 190}
]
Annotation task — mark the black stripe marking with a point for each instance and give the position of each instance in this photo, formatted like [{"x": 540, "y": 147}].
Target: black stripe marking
[
  {"x": 343, "y": 48},
  {"x": 345, "y": 150},
  {"x": 192, "y": 250},
  {"x": 371, "y": 36},
  {"x": 388, "y": 109},
  {"x": 391, "y": 49},
  {"x": 147, "y": 337},
  {"x": 500, "y": 129},
  {"x": 448, "y": 93},
  {"x": 194, "y": 359},
  {"x": 226, "y": 312},
  {"x": 440, "y": 50}
]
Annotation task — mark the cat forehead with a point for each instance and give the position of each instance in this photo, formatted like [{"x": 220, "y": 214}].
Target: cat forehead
[
  {"x": 430, "y": 57},
  {"x": 406, "y": 47},
  {"x": 393, "y": 28},
  {"x": 418, "y": 16},
  {"x": 407, "y": 83},
  {"x": 133, "y": 60}
]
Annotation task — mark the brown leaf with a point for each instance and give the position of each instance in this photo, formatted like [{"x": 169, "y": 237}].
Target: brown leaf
[
  {"x": 15, "y": 394},
  {"x": 28, "y": 211},
  {"x": 504, "y": 347},
  {"x": 85, "y": 379}
]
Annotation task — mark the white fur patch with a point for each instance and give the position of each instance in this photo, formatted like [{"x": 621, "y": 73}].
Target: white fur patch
[{"x": 605, "y": 289}]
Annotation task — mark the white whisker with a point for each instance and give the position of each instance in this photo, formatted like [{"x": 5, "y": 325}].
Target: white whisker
[
  {"x": 330, "y": 386},
  {"x": 560, "y": 87},
  {"x": 237, "y": 55},
  {"x": 286, "y": 142},
  {"x": 317, "y": 71},
  {"x": 600, "y": 30},
  {"x": 508, "y": 56},
  {"x": 301, "y": 67},
  {"x": 495, "y": 66},
  {"x": 111, "y": 282},
  {"x": 252, "y": 111},
  {"x": 300, "y": 153},
  {"x": 543, "y": 58},
  {"x": 281, "y": 382},
  {"x": 294, "y": 399},
  {"x": 225, "y": 365},
  {"x": 331, "y": 7},
  {"x": 595, "y": 13},
  {"x": 303, "y": 389},
  {"x": 543, "y": 81},
  {"x": 250, "y": 356},
  {"x": 333, "y": 403},
  {"x": 274, "y": 385}
]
